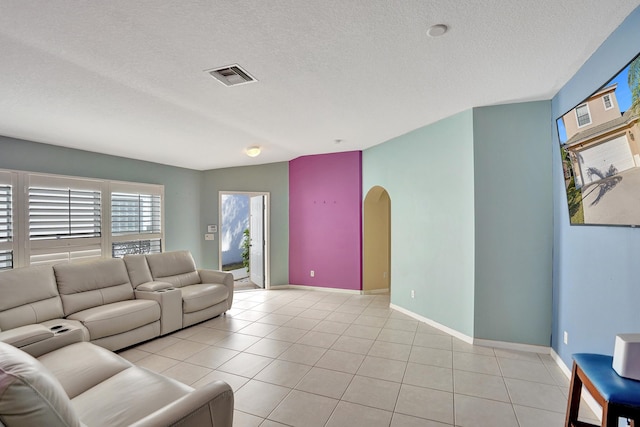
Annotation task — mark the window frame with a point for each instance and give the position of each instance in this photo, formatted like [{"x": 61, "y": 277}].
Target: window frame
[
  {"x": 586, "y": 105},
  {"x": 607, "y": 96}
]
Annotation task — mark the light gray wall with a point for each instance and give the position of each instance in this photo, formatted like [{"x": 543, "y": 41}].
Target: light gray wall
[
  {"x": 514, "y": 222},
  {"x": 596, "y": 285},
  {"x": 182, "y": 186},
  {"x": 428, "y": 174},
  {"x": 272, "y": 178}
]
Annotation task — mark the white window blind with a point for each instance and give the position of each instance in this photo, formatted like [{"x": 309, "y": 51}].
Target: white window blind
[
  {"x": 136, "y": 219},
  {"x": 6, "y": 213},
  {"x": 135, "y": 213},
  {"x": 63, "y": 213},
  {"x": 6, "y": 260},
  {"x": 7, "y": 223},
  {"x": 63, "y": 219}
]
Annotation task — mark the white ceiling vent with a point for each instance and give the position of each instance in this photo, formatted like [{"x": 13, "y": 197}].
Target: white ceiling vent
[{"x": 231, "y": 75}]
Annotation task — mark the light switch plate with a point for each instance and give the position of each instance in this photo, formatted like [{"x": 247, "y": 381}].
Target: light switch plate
[
  {"x": 212, "y": 228},
  {"x": 209, "y": 236}
]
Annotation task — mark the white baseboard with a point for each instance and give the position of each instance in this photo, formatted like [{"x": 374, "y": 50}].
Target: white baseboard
[
  {"x": 505, "y": 345},
  {"x": 475, "y": 341},
  {"x": 376, "y": 292},
  {"x": 433, "y": 323},
  {"x": 556, "y": 358},
  {"x": 316, "y": 288}
]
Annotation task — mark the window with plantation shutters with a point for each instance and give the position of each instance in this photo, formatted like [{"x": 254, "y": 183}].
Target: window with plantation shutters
[
  {"x": 6, "y": 213},
  {"x": 64, "y": 219},
  {"x": 136, "y": 220},
  {"x": 48, "y": 219},
  {"x": 63, "y": 213},
  {"x": 7, "y": 181},
  {"x": 6, "y": 260},
  {"x": 135, "y": 214}
]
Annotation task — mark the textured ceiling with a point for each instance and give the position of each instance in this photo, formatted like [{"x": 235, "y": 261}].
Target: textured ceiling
[{"x": 127, "y": 77}]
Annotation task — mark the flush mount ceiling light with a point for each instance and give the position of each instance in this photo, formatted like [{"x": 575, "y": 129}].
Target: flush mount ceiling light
[
  {"x": 437, "y": 30},
  {"x": 253, "y": 151},
  {"x": 231, "y": 75}
]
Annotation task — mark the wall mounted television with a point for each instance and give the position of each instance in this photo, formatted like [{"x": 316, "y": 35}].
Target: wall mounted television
[{"x": 600, "y": 149}]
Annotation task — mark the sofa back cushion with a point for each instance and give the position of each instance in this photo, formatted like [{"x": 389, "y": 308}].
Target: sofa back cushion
[
  {"x": 28, "y": 295},
  {"x": 90, "y": 284},
  {"x": 31, "y": 395},
  {"x": 177, "y": 268},
  {"x": 138, "y": 269}
]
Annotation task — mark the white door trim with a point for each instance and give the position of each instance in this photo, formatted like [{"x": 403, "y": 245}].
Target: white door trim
[{"x": 267, "y": 229}]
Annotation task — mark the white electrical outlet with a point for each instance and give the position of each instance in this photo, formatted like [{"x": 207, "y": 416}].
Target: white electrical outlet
[
  {"x": 413, "y": 293},
  {"x": 566, "y": 337},
  {"x": 313, "y": 273}
]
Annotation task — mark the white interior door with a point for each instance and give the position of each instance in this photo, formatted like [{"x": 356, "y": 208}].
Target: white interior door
[{"x": 256, "y": 230}]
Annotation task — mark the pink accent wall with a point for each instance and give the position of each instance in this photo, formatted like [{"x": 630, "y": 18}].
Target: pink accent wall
[{"x": 325, "y": 220}]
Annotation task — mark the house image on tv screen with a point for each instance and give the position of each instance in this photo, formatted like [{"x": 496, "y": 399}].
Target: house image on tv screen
[
  {"x": 601, "y": 140},
  {"x": 600, "y": 148}
]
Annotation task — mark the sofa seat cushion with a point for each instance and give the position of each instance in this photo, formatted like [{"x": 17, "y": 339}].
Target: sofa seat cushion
[
  {"x": 199, "y": 297},
  {"x": 31, "y": 395},
  {"x": 127, "y": 397},
  {"x": 81, "y": 366},
  {"x": 118, "y": 317}
]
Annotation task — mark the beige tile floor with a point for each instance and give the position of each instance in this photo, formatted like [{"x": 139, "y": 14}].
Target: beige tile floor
[{"x": 314, "y": 358}]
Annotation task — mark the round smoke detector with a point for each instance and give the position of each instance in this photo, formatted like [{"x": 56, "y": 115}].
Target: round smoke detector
[{"x": 437, "y": 30}]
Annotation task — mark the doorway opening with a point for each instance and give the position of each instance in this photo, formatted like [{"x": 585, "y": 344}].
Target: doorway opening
[
  {"x": 244, "y": 235},
  {"x": 376, "y": 276}
]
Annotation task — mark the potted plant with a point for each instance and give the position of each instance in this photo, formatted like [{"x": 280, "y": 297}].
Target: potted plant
[{"x": 246, "y": 244}]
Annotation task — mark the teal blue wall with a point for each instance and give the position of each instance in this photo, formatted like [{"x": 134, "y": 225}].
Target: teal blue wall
[
  {"x": 596, "y": 285},
  {"x": 272, "y": 178},
  {"x": 513, "y": 222},
  {"x": 182, "y": 186},
  {"x": 428, "y": 174}
]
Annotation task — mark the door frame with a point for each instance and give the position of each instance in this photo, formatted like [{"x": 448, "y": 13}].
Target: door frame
[
  {"x": 267, "y": 229},
  {"x": 257, "y": 217}
]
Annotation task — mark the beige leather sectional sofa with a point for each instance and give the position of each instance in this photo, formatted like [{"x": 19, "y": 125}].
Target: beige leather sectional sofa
[
  {"x": 83, "y": 384},
  {"x": 58, "y": 323},
  {"x": 114, "y": 303}
]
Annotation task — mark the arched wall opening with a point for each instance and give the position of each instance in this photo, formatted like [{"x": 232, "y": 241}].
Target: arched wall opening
[{"x": 376, "y": 268}]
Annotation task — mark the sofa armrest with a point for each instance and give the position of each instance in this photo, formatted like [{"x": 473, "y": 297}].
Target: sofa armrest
[
  {"x": 214, "y": 276},
  {"x": 38, "y": 339},
  {"x": 170, "y": 300},
  {"x": 211, "y": 405},
  {"x": 25, "y": 335},
  {"x": 153, "y": 286}
]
